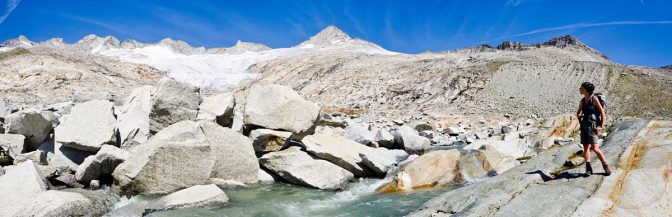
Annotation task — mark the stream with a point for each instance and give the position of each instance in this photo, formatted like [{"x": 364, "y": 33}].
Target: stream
[{"x": 281, "y": 199}]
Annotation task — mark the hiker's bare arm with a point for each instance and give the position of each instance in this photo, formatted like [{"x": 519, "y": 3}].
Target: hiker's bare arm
[
  {"x": 599, "y": 107},
  {"x": 578, "y": 112}
]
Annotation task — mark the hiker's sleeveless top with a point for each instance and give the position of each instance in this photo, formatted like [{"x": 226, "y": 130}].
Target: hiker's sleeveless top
[{"x": 590, "y": 110}]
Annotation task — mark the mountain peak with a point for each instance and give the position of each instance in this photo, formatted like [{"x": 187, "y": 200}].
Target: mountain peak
[
  {"x": 20, "y": 41},
  {"x": 328, "y": 36}
]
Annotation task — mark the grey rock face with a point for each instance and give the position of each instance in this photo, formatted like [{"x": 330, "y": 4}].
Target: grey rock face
[
  {"x": 265, "y": 140},
  {"x": 218, "y": 108},
  {"x": 279, "y": 107},
  {"x": 198, "y": 196},
  {"x": 407, "y": 138},
  {"x": 133, "y": 117},
  {"x": 173, "y": 102},
  {"x": 184, "y": 154},
  {"x": 13, "y": 144},
  {"x": 19, "y": 187},
  {"x": 104, "y": 162},
  {"x": 298, "y": 167},
  {"x": 359, "y": 133},
  {"x": 31, "y": 124},
  {"x": 384, "y": 138},
  {"x": 88, "y": 126}
]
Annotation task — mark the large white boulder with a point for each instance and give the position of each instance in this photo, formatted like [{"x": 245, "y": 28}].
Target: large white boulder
[
  {"x": 408, "y": 138},
  {"x": 71, "y": 202},
  {"x": 31, "y": 124},
  {"x": 338, "y": 150},
  {"x": 359, "y": 133},
  {"x": 133, "y": 117},
  {"x": 184, "y": 154},
  {"x": 13, "y": 144},
  {"x": 173, "y": 102},
  {"x": 218, "y": 108},
  {"x": 435, "y": 168},
  {"x": 19, "y": 187},
  {"x": 279, "y": 107},
  {"x": 299, "y": 168},
  {"x": 89, "y": 126},
  {"x": 104, "y": 162}
]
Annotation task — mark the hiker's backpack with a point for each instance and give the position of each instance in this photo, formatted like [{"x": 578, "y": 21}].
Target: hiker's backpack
[{"x": 603, "y": 102}]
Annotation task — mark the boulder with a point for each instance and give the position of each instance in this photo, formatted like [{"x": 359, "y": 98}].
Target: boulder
[
  {"x": 19, "y": 187},
  {"x": 133, "y": 117},
  {"x": 88, "y": 126},
  {"x": 13, "y": 144},
  {"x": 104, "y": 162},
  {"x": 453, "y": 131},
  {"x": 384, "y": 138},
  {"x": 64, "y": 156},
  {"x": 298, "y": 167},
  {"x": 184, "y": 154},
  {"x": 435, "y": 168},
  {"x": 279, "y": 107},
  {"x": 422, "y": 126},
  {"x": 37, "y": 157},
  {"x": 265, "y": 140},
  {"x": 359, "y": 133},
  {"x": 198, "y": 196},
  {"x": 69, "y": 203},
  {"x": 173, "y": 102},
  {"x": 506, "y": 129},
  {"x": 265, "y": 177},
  {"x": 340, "y": 151},
  {"x": 66, "y": 179},
  {"x": 219, "y": 108},
  {"x": 382, "y": 160},
  {"x": 407, "y": 138},
  {"x": 31, "y": 124}
]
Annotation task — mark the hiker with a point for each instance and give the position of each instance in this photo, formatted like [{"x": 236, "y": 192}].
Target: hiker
[{"x": 591, "y": 116}]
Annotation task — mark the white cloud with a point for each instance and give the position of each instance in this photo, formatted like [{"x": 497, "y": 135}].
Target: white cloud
[
  {"x": 514, "y": 2},
  {"x": 584, "y": 25},
  {"x": 11, "y": 5}
]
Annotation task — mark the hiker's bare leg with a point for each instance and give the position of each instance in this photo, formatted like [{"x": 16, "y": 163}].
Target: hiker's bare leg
[
  {"x": 586, "y": 152},
  {"x": 598, "y": 152}
]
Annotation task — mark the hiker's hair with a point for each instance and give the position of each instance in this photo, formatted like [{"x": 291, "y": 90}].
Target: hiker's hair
[{"x": 589, "y": 87}]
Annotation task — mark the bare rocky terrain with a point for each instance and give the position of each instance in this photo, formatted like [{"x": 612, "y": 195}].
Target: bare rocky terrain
[{"x": 88, "y": 125}]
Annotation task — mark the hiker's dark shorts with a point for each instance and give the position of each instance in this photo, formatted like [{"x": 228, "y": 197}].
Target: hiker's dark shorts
[{"x": 588, "y": 134}]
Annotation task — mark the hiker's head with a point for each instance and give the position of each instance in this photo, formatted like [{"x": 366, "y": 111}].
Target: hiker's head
[{"x": 587, "y": 88}]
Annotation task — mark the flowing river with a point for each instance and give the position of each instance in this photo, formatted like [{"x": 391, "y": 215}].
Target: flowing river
[{"x": 281, "y": 199}]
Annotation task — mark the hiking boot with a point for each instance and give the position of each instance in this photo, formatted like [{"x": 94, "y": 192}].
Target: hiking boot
[
  {"x": 607, "y": 171},
  {"x": 589, "y": 169}
]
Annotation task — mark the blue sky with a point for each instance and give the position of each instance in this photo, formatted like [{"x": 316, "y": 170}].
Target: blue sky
[{"x": 635, "y": 32}]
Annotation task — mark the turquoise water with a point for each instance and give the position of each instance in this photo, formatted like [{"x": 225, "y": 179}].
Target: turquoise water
[{"x": 280, "y": 199}]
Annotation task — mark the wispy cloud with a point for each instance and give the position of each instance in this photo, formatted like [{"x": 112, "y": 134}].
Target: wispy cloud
[
  {"x": 11, "y": 5},
  {"x": 514, "y": 2},
  {"x": 583, "y": 25},
  {"x": 112, "y": 27}
]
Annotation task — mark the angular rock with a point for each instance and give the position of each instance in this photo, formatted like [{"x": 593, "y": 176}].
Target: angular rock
[
  {"x": 13, "y": 144},
  {"x": 407, "y": 138},
  {"x": 37, "y": 157},
  {"x": 265, "y": 140},
  {"x": 104, "y": 162},
  {"x": 434, "y": 168},
  {"x": 19, "y": 187},
  {"x": 173, "y": 102},
  {"x": 265, "y": 177},
  {"x": 64, "y": 156},
  {"x": 198, "y": 196},
  {"x": 184, "y": 154},
  {"x": 133, "y": 117},
  {"x": 88, "y": 126},
  {"x": 298, "y": 167},
  {"x": 422, "y": 126},
  {"x": 219, "y": 108},
  {"x": 67, "y": 203},
  {"x": 384, "y": 138},
  {"x": 338, "y": 150},
  {"x": 382, "y": 160},
  {"x": 31, "y": 124},
  {"x": 277, "y": 107},
  {"x": 359, "y": 133}
]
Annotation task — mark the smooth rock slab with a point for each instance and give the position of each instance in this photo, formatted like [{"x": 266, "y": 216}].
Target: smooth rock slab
[
  {"x": 279, "y": 107},
  {"x": 299, "y": 168},
  {"x": 199, "y": 196},
  {"x": 88, "y": 126}
]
